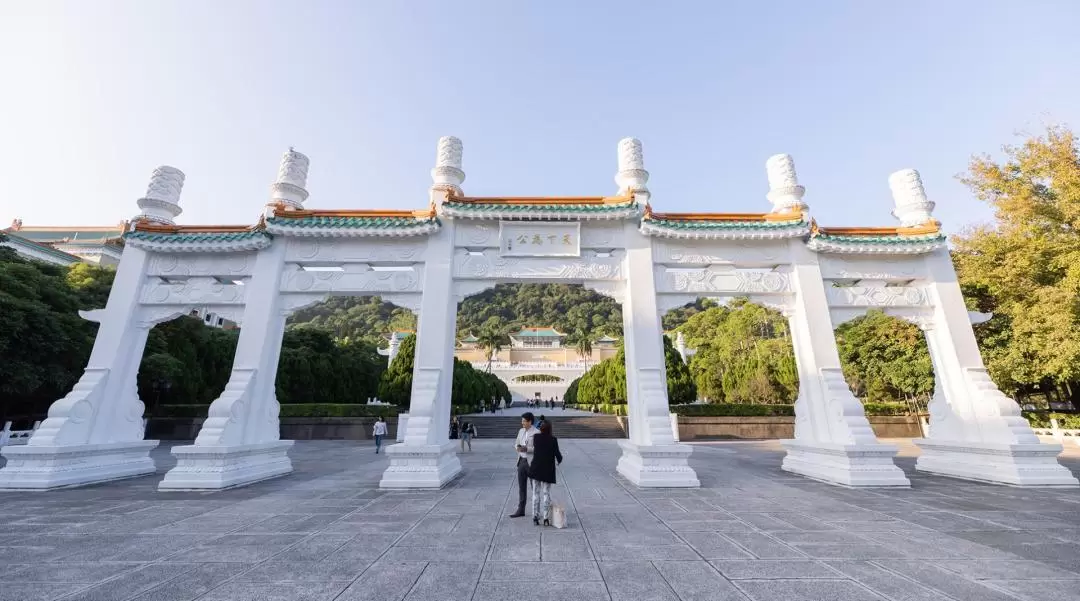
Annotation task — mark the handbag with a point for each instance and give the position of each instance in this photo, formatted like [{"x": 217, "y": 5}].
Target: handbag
[{"x": 558, "y": 516}]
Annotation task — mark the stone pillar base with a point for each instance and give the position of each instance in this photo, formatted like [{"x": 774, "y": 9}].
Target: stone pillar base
[
  {"x": 855, "y": 465},
  {"x": 33, "y": 467},
  {"x": 421, "y": 466},
  {"x": 216, "y": 467},
  {"x": 1013, "y": 464},
  {"x": 657, "y": 466}
]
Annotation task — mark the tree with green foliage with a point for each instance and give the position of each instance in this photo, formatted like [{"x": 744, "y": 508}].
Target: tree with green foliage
[
  {"x": 43, "y": 341},
  {"x": 680, "y": 384},
  {"x": 567, "y": 308},
  {"x": 583, "y": 346},
  {"x": 491, "y": 341},
  {"x": 359, "y": 318},
  {"x": 395, "y": 384},
  {"x": 885, "y": 358},
  {"x": 1025, "y": 267},
  {"x": 470, "y": 387},
  {"x": 680, "y": 315},
  {"x": 744, "y": 354}
]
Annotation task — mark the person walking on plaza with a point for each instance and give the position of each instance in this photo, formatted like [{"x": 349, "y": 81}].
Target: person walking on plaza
[
  {"x": 542, "y": 472},
  {"x": 523, "y": 444},
  {"x": 454, "y": 426},
  {"x": 379, "y": 431},
  {"x": 467, "y": 432}
]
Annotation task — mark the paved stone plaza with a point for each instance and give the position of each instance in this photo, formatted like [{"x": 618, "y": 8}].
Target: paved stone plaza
[{"x": 750, "y": 532}]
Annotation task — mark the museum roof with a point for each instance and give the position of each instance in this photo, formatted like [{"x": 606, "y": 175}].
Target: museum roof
[
  {"x": 16, "y": 240},
  {"x": 607, "y": 339},
  {"x": 540, "y": 207},
  {"x": 470, "y": 338},
  {"x": 537, "y": 332}
]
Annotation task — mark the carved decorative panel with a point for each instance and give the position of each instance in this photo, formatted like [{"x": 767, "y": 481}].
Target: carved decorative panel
[
  {"x": 354, "y": 277},
  {"x": 876, "y": 296},
  {"x": 235, "y": 265},
  {"x": 875, "y": 268},
  {"x": 488, "y": 266},
  {"x": 706, "y": 253},
  {"x": 723, "y": 278},
  {"x": 194, "y": 291},
  {"x": 323, "y": 250}
]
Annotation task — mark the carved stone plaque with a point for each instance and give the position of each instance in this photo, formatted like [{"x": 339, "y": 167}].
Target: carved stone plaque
[{"x": 539, "y": 239}]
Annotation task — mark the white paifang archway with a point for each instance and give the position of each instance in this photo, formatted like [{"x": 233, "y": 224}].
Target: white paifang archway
[{"x": 430, "y": 259}]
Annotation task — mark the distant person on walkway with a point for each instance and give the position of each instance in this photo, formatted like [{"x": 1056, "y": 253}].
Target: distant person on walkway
[
  {"x": 379, "y": 431},
  {"x": 524, "y": 446},
  {"x": 542, "y": 472},
  {"x": 454, "y": 426},
  {"x": 467, "y": 432}
]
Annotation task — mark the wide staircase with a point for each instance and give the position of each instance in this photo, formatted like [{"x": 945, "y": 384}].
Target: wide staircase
[{"x": 577, "y": 426}]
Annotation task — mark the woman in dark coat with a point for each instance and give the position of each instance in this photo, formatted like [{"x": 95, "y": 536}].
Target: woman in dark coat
[{"x": 542, "y": 472}]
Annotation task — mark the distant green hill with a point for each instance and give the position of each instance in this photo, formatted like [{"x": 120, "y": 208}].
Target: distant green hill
[{"x": 505, "y": 308}]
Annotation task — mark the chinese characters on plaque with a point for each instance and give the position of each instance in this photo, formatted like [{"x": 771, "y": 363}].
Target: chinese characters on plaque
[{"x": 539, "y": 239}]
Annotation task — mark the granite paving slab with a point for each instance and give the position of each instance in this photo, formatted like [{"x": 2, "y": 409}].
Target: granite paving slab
[{"x": 751, "y": 533}]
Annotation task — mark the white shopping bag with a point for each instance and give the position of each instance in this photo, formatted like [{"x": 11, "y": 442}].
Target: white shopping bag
[{"x": 558, "y": 516}]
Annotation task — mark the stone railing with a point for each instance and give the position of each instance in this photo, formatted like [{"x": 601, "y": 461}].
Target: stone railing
[
  {"x": 12, "y": 437},
  {"x": 1058, "y": 433}
]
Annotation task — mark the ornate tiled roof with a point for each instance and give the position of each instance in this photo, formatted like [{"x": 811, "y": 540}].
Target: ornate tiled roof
[
  {"x": 303, "y": 222},
  {"x": 535, "y": 332},
  {"x": 578, "y": 207},
  {"x": 724, "y": 225},
  {"x": 877, "y": 240},
  {"x": 186, "y": 238},
  {"x": 55, "y": 256}
]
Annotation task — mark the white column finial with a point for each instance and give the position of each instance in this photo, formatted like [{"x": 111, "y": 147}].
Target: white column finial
[
  {"x": 785, "y": 193},
  {"x": 632, "y": 176},
  {"x": 290, "y": 187},
  {"x": 909, "y": 197},
  {"x": 162, "y": 201},
  {"x": 447, "y": 175}
]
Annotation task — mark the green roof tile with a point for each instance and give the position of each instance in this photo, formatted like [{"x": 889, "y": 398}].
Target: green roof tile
[
  {"x": 351, "y": 222},
  {"x": 197, "y": 236},
  {"x": 727, "y": 225},
  {"x": 532, "y": 208},
  {"x": 898, "y": 240}
]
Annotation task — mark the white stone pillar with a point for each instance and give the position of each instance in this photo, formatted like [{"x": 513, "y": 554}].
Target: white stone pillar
[
  {"x": 427, "y": 458},
  {"x": 95, "y": 432},
  {"x": 833, "y": 440},
  {"x": 651, "y": 457},
  {"x": 976, "y": 432},
  {"x": 239, "y": 442}
]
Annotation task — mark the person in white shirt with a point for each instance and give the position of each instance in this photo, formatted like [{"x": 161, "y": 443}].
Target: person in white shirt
[
  {"x": 524, "y": 446},
  {"x": 379, "y": 431}
]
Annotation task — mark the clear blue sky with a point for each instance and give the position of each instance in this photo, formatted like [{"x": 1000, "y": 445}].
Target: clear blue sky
[{"x": 98, "y": 93}]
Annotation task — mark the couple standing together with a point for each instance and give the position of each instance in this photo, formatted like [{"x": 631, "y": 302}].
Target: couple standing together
[{"x": 538, "y": 453}]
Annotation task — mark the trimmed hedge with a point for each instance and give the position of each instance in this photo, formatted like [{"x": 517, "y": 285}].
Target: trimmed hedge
[
  {"x": 887, "y": 408},
  {"x": 734, "y": 410},
  {"x": 1041, "y": 419},
  {"x": 292, "y": 410}
]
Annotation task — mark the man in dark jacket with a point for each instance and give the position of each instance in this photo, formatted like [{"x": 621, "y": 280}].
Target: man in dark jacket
[{"x": 523, "y": 446}]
